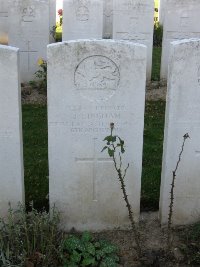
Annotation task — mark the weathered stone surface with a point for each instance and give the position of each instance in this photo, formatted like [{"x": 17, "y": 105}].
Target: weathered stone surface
[
  {"x": 4, "y": 22},
  {"x": 82, "y": 19},
  {"x": 162, "y": 11},
  {"x": 11, "y": 158},
  {"x": 29, "y": 30},
  {"x": 133, "y": 20},
  {"x": 182, "y": 116},
  {"x": 181, "y": 21},
  {"x": 108, "y": 19},
  {"x": 90, "y": 85}
]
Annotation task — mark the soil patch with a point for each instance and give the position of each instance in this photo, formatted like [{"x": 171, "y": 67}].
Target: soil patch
[
  {"x": 153, "y": 237},
  {"x": 153, "y": 240}
]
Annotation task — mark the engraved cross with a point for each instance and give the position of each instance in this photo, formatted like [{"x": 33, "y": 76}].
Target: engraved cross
[
  {"x": 29, "y": 51},
  {"x": 94, "y": 160}
]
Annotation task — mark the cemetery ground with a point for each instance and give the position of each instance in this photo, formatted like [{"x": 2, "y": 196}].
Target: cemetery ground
[
  {"x": 153, "y": 237},
  {"x": 154, "y": 240},
  {"x": 80, "y": 181}
]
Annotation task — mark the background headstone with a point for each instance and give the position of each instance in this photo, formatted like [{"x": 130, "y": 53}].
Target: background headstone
[
  {"x": 108, "y": 19},
  {"x": 182, "y": 116},
  {"x": 181, "y": 21},
  {"x": 82, "y": 19},
  {"x": 133, "y": 20},
  {"x": 52, "y": 14},
  {"x": 90, "y": 85},
  {"x": 4, "y": 21},
  {"x": 11, "y": 158},
  {"x": 29, "y": 30},
  {"x": 161, "y": 11}
]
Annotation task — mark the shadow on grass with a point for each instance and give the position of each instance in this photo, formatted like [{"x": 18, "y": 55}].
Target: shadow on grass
[
  {"x": 35, "y": 155},
  {"x": 156, "y": 63},
  {"x": 152, "y": 154}
]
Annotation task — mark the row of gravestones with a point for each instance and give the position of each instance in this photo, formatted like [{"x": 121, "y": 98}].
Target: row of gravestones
[
  {"x": 133, "y": 20},
  {"x": 124, "y": 19},
  {"x": 28, "y": 25},
  {"x": 91, "y": 84},
  {"x": 181, "y": 20},
  {"x": 30, "y": 22}
]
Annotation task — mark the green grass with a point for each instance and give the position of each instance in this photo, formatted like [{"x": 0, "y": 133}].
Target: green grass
[
  {"x": 156, "y": 63},
  {"x": 36, "y": 154},
  {"x": 152, "y": 154},
  {"x": 58, "y": 37},
  {"x": 58, "y": 33}
]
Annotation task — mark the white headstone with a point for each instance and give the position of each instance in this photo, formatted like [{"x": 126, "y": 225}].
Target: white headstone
[
  {"x": 181, "y": 21},
  {"x": 11, "y": 158},
  {"x": 4, "y": 21},
  {"x": 161, "y": 11},
  {"x": 182, "y": 116},
  {"x": 82, "y": 19},
  {"x": 29, "y": 30},
  {"x": 133, "y": 20},
  {"x": 108, "y": 19},
  {"x": 90, "y": 85}
]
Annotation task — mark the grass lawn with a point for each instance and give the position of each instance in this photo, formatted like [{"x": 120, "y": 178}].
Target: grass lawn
[
  {"x": 155, "y": 76},
  {"x": 36, "y": 154},
  {"x": 58, "y": 33},
  {"x": 152, "y": 154}
]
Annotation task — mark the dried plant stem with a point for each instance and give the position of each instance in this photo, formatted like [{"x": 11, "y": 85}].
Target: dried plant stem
[
  {"x": 170, "y": 237},
  {"x": 125, "y": 196}
]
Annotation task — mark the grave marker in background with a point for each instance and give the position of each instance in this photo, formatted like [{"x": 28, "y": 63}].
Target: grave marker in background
[
  {"x": 182, "y": 116},
  {"x": 99, "y": 82},
  {"x": 82, "y": 19},
  {"x": 108, "y": 19},
  {"x": 133, "y": 20},
  {"x": 52, "y": 18},
  {"x": 11, "y": 155},
  {"x": 181, "y": 21},
  {"x": 4, "y": 22},
  {"x": 29, "y": 30},
  {"x": 162, "y": 11}
]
